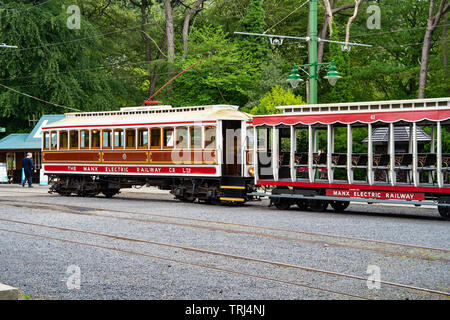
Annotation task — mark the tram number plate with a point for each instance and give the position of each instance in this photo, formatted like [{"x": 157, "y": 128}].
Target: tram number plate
[{"x": 375, "y": 194}]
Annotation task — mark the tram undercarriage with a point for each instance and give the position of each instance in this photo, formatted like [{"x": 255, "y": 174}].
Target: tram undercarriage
[{"x": 207, "y": 190}]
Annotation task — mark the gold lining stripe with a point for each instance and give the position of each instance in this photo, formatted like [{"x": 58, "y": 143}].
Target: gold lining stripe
[
  {"x": 232, "y": 187},
  {"x": 232, "y": 199}
]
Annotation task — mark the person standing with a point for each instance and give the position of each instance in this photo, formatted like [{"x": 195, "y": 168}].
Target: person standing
[
  {"x": 28, "y": 167},
  {"x": 10, "y": 165}
]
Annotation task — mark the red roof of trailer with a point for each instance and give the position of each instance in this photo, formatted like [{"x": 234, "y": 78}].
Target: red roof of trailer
[{"x": 349, "y": 118}]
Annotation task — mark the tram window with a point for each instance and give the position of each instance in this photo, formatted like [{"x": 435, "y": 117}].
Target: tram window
[
  {"x": 74, "y": 139},
  {"x": 262, "y": 139},
  {"x": 84, "y": 139},
  {"x": 182, "y": 137},
  {"x": 63, "y": 140},
  {"x": 46, "y": 140},
  {"x": 130, "y": 140},
  {"x": 210, "y": 137},
  {"x": 107, "y": 139},
  {"x": 118, "y": 139},
  {"x": 95, "y": 139},
  {"x": 143, "y": 138},
  {"x": 168, "y": 137},
  {"x": 54, "y": 140},
  {"x": 250, "y": 138},
  {"x": 155, "y": 138},
  {"x": 196, "y": 137}
]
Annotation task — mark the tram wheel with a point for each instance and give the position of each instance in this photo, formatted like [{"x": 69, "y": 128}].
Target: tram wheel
[
  {"x": 302, "y": 204},
  {"x": 282, "y": 204},
  {"x": 339, "y": 206},
  {"x": 444, "y": 211},
  {"x": 318, "y": 205},
  {"x": 109, "y": 193},
  {"x": 186, "y": 199}
]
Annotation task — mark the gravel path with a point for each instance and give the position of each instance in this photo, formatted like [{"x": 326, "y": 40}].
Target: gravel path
[{"x": 38, "y": 266}]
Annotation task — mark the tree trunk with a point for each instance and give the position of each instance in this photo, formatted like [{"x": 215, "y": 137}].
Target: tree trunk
[
  {"x": 148, "y": 48},
  {"x": 432, "y": 23},
  {"x": 187, "y": 19},
  {"x": 444, "y": 45},
  {"x": 424, "y": 62},
  {"x": 323, "y": 32},
  {"x": 169, "y": 31}
]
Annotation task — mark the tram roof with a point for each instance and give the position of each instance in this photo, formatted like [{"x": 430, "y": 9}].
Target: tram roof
[
  {"x": 154, "y": 115},
  {"x": 417, "y": 110}
]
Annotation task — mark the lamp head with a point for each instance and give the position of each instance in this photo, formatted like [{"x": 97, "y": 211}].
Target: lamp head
[
  {"x": 294, "y": 79},
  {"x": 332, "y": 75}
]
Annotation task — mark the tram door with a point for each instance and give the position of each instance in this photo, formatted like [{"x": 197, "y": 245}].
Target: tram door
[{"x": 231, "y": 133}]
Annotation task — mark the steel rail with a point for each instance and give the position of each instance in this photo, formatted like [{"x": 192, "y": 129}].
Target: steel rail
[
  {"x": 229, "y": 224},
  {"x": 189, "y": 263},
  {"x": 275, "y": 263}
]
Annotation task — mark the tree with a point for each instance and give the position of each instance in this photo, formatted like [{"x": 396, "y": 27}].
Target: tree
[
  {"x": 276, "y": 97},
  {"x": 432, "y": 23},
  {"x": 254, "y": 22},
  {"x": 187, "y": 19},
  {"x": 223, "y": 78},
  {"x": 169, "y": 31},
  {"x": 52, "y": 62}
]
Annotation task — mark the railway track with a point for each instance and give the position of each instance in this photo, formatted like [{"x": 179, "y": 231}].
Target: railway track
[
  {"x": 285, "y": 266},
  {"x": 381, "y": 247}
]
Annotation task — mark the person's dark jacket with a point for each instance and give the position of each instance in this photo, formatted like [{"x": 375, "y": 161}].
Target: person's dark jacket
[{"x": 27, "y": 164}]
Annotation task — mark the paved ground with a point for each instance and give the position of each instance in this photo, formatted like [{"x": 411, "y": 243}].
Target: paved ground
[{"x": 142, "y": 244}]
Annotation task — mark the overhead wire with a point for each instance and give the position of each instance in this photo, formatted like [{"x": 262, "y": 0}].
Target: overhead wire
[
  {"x": 296, "y": 9},
  {"x": 27, "y": 9},
  {"x": 39, "y": 99}
]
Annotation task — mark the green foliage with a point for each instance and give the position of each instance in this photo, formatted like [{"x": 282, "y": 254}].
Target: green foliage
[
  {"x": 107, "y": 64},
  {"x": 222, "y": 78},
  {"x": 276, "y": 97},
  {"x": 50, "y": 63},
  {"x": 254, "y": 22}
]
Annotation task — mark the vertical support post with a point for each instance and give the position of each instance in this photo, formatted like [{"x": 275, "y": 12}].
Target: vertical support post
[
  {"x": 392, "y": 174},
  {"x": 440, "y": 177},
  {"x": 315, "y": 150},
  {"x": 330, "y": 138},
  {"x": 313, "y": 50},
  {"x": 432, "y": 150},
  {"x": 293, "y": 150},
  {"x": 310, "y": 153},
  {"x": 243, "y": 149},
  {"x": 219, "y": 147},
  {"x": 255, "y": 154},
  {"x": 370, "y": 176},
  {"x": 415, "y": 175},
  {"x": 349, "y": 154},
  {"x": 275, "y": 153},
  {"x": 409, "y": 176}
]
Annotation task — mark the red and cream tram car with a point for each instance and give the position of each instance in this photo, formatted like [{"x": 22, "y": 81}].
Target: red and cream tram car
[
  {"x": 296, "y": 153},
  {"x": 220, "y": 154},
  {"x": 194, "y": 151}
]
